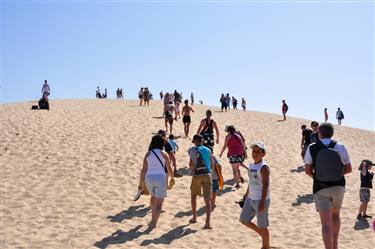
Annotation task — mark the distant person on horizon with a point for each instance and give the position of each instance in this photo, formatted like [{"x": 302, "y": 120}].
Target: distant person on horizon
[
  {"x": 98, "y": 95},
  {"x": 339, "y": 116},
  {"x": 223, "y": 102},
  {"x": 243, "y": 104},
  {"x": 105, "y": 93},
  {"x": 326, "y": 162},
  {"x": 206, "y": 129},
  {"x": 186, "y": 118},
  {"x": 140, "y": 96},
  {"x": 161, "y": 95},
  {"x": 257, "y": 196},
  {"x": 228, "y": 100},
  {"x": 325, "y": 115},
  {"x": 146, "y": 96},
  {"x": 284, "y": 109},
  {"x": 192, "y": 99},
  {"x": 234, "y": 103},
  {"x": 45, "y": 89},
  {"x": 200, "y": 164},
  {"x": 305, "y": 141}
]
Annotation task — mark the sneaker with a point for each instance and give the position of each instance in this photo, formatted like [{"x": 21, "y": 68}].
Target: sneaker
[
  {"x": 359, "y": 217},
  {"x": 366, "y": 216}
]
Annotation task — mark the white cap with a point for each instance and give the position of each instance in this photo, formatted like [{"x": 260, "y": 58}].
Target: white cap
[{"x": 259, "y": 145}]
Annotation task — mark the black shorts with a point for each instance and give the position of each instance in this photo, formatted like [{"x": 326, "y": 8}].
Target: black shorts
[
  {"x": 208, "y": 140},
  {"x": 364, "y": 195},
  {"x": 236, "y": 159},
  {"x": 169, "y": 119},
  {"x": 186, "y": 119}
]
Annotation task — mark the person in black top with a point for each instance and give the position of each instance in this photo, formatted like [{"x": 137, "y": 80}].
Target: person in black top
[
  {"x": 314, "y": 134},
  {"x": 366, "y": 186},
  {"x": 305, "y": 141},
  {"x": 168, "y": 148},
  {"x": 206, "y": 129}
]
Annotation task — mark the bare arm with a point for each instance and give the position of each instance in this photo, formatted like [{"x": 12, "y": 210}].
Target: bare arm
[
  {"x": 309, "y": 170},
  {"x": 348, "y": 168},
  {"x": 168, "y": 164},
  {"x": 217, "y": 132},
  {"x": 265, "y": 172},
  {"x": 200, "y": 127},
  {"x": 191, "y": 109},
  {"x": 225, "y": 145},
  {"x": 143, "y": 171}
]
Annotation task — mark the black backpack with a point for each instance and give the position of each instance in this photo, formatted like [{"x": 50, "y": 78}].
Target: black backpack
[
  {"x": 201, "y": 168},
  {"x": 327, "y": 163}
]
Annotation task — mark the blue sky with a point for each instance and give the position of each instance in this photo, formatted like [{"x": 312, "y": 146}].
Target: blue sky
[{"x": 314, "y": 54}]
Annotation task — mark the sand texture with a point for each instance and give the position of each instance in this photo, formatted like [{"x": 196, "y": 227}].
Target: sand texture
[{"x": 68, "y": 177}]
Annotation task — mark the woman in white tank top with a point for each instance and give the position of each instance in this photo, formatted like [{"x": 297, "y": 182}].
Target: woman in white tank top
[{"x": 156, "y": 165}]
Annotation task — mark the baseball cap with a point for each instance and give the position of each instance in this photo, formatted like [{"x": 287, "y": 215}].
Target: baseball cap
[
  {"x": 197, "y": 137},
  {"x": 260, "y": 145}
]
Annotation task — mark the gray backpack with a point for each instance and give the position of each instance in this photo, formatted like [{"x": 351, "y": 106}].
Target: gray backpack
[{"x": 327, "y": 162}]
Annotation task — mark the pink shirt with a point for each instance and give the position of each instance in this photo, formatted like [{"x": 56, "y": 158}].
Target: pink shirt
[{"x": 235, "y": 147}]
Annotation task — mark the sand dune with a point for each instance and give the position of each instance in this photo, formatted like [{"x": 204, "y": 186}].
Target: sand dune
[{"x": 68, "y": 177}]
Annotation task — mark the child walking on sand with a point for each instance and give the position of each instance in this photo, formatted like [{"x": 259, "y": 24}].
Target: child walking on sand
[
  {"x": 366, "y": 186},
  {"x": 257, "y": 197},
  {"x": 173, "y": 143}
]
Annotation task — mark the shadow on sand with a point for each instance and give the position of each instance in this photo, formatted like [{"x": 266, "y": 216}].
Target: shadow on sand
[
  {"x": 299, "y": 169},
  {"x": 226, "y": 190},
  {"x": 361, "y": 224},
  {"x": 133, "y": 211},
  {"x": 121, "y": 237},
  {"x": 307, "y": 199},
  {"x": 230, "y": 182},
  {"x": 181, "y": 214},
  {"x": 170, "y": 236},
  {"x": 281, "y": 120}
]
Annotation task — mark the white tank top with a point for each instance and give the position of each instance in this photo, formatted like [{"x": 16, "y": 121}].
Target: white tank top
[
  {"x": 256, "y": 182},
  {"x": 154, "y": 165}
]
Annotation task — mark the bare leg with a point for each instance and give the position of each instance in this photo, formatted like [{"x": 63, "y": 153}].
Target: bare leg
[
  {"x": 235, "y": 173},
  {"x": 364, "y": 208},
  {"x": 252, "y": 226},
  {"x": 194, "y": 208},
  {"x": 207, "y": 201},
  {"x": 335, "y": 227},
  {"x": 327, "y": 229},
  {"x": 213, "y": 199},
  {"x": 265, "y": 238},
  {"x": 157, "y": 210}
]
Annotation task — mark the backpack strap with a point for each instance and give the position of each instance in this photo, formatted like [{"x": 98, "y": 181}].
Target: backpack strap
[
  {"x": 332, "y": 144},
  {"x": 159, "y": 161},
  {"x": 314, "y": 149}
]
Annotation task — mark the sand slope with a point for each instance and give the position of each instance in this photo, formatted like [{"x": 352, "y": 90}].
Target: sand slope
[{"x": 68, "y": 177}]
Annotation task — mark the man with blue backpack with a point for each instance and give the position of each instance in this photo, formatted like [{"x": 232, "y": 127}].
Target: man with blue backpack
[
  {"x": 200, "y": 165},
  {"x": 327, "y": 161}
]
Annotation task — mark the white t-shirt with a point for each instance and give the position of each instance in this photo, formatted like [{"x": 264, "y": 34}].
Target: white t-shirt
[
  {"x": 340, "y": 148},
  {"x": 256, "y": 182}
]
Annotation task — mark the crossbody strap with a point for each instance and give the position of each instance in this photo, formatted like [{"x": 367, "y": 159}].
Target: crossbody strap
[{"x": 158, "y": 159}]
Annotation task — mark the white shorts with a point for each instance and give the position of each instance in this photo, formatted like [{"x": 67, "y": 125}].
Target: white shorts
[{"x": 156, "y": 185}]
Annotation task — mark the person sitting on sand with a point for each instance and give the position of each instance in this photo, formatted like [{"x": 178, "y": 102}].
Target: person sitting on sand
[
  {"x": 156, "y": 166},
  {"x": 257, "y": 196},
  {"x": 235, "y": 143},
  {"x": 43, "y": 102},
  {"x": 366, "y": 186},
  {"x": 200, "y": 164},
  {"x": 186, "y": 119},
  {"x": 206, "y": 129}
]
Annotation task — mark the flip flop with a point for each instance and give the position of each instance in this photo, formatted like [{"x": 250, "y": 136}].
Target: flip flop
[{"x": 138, "y": 194}]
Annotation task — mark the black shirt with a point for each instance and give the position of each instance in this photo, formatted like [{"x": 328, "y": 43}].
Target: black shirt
[
  {"x": 167, "y": 147},
  {"x": 306, "y": 136},
  {"x": 314, "y": 137},
  {"x": 366, "y": 181}
]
